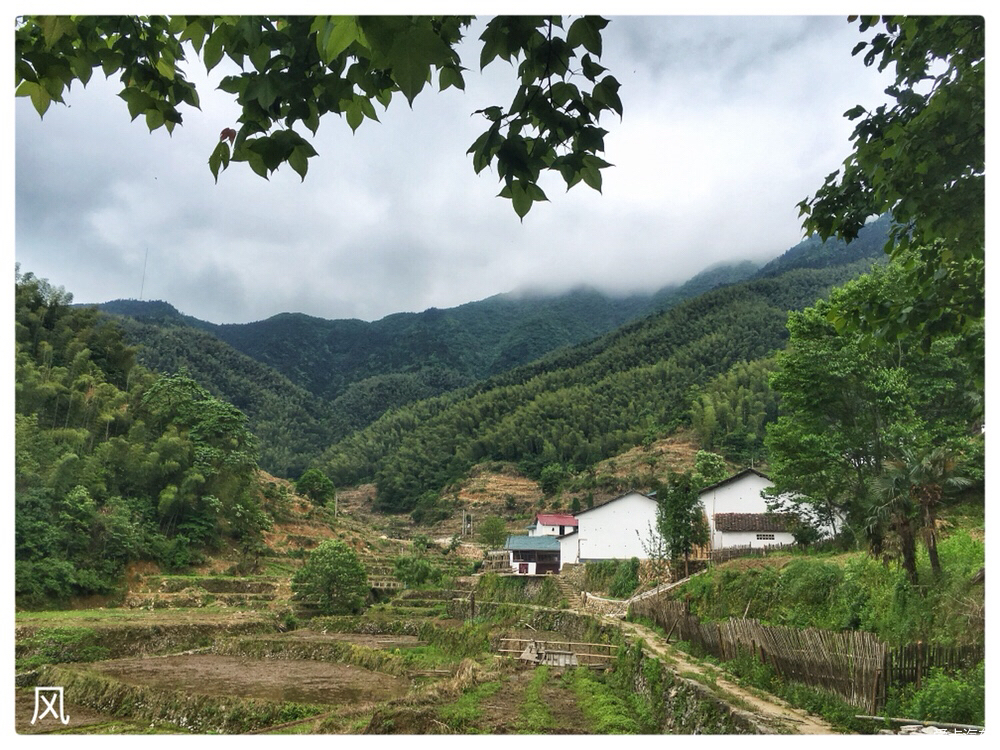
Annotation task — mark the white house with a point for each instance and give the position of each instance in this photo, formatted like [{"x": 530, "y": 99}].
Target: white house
[
  {"x": 737, "y": 513},
  {"x": 552, "y": 524},
  {"x": 619, "y": 529}
]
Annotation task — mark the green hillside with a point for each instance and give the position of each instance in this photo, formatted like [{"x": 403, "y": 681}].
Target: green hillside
[{"x": 579, "y": 406}]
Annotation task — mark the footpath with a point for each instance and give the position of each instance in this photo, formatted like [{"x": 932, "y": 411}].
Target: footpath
[{"x": 770, "y": 710}]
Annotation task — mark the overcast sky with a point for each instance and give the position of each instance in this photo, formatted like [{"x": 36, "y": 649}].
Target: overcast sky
[{"x": 729, "y": 122}]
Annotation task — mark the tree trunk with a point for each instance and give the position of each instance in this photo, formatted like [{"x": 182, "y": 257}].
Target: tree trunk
[
  {"x": 908, "y": 543},
  {"x": 930, "y": 538}
]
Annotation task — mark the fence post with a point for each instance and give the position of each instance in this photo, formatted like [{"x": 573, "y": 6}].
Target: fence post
[{"x": 920, "y": 662}]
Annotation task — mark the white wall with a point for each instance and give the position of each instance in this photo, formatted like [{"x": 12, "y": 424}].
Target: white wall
[
  {"x": 739, "y": 496},
  {"x": 569, "y": 549},
  {"x": 749, "y": 538},
  {"x": 617, "y": 530}
]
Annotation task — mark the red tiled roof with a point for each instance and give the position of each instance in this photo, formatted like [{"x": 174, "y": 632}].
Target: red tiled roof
[
  {"x": 556, "y": 519},
  {"x": 751, "y": 522}
]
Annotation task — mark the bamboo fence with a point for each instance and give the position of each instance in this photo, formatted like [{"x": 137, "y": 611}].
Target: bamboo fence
[{"x": 853, "y": 664}]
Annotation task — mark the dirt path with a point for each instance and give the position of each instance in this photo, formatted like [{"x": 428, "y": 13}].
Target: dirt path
[{"x": 772, "y": 711}]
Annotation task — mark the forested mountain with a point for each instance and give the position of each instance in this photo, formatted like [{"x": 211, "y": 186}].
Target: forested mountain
[
  {"x": 291, "y": 424},
  {"x": 461, "y": 344},
  {"x": 584, "y": 404},
  {"x": 306, "y": 383}
]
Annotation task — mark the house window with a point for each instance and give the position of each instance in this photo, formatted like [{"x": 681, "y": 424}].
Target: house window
[{"x": 765, "y": 537}]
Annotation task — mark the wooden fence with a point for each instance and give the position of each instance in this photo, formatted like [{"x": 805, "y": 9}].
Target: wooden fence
[
  {"x": 558, "y": 653},
  {"x": 854, "y": 664}
]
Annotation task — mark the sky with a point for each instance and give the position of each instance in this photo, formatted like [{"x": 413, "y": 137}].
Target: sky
[{"x": 728, "y": 123}]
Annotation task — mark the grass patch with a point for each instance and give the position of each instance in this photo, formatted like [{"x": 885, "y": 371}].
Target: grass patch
[
  {"x": 534, "y": 716},
  {"x": 605, "y": 710},
  {"x": 462, "y": 714}
]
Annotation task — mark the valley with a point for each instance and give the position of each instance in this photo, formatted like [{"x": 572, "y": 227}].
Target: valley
[{"x": 166, "y": 535}]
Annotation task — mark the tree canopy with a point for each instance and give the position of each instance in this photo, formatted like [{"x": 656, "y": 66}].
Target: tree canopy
[
  {"x": 296, "y": 69},
  {"x": 920, "y": 159}
]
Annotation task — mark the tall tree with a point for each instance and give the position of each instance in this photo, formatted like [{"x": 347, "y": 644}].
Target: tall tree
[
  {"x": 680, "y": 518},
  {"x": 851, "y": 405},
  {"x": 922, "y": 160},
  {"x": 305, "y": 67}
]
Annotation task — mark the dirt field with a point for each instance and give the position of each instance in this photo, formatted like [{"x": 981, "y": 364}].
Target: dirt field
[
  {"x": 295, "y": 680},
  {"x": 359, "y": 639}
]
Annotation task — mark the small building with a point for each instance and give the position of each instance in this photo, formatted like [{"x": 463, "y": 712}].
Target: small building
[
  {"x": 553, "y": 524},
  {"x": 533, "y": 555},
  {"x": 619, "y": 529},
  {"x": 738, "y": 515}
]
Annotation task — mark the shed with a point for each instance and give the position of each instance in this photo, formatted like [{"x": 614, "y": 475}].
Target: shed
[{"x": 531, "y": 555}]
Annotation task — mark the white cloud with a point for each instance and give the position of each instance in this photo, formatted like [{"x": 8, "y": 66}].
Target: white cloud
[{"x": 728, "y": 123}]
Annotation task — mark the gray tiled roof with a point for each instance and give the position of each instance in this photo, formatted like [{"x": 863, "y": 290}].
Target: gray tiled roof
[
  {"x": 537, "y": 543},
  {"x": 751, "y": 522}
]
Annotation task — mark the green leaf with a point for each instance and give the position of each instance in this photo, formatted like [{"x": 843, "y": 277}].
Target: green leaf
[
  {"x": 451, "y": 76},
  {"x": 354, "y": 114},
  {"x": 219, "y": 158},
  {"x": 299, "y": 161},
  {"x": 40, "y": 98},
  {"x": 166, "y": 67},
  {"x": 411, "y": 56},
  {"x": 138, "y": 101},
  {"x": 584, "y": 31},
  {"x": 520, "y": 198},
  {"x": 340, "y": 33},
  {"x": 260, "y": 57},
  {"x": 195, "y": 33},
  {"x": 82, "y": 68},
  {"x": 154, "y": 119},
  {"x": 111, "y": 61},
  {"x": 214, "y": 48},
  {"x": 55, "y": 28}
]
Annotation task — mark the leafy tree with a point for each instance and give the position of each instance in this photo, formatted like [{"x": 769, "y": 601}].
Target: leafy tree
[
  {"x": 332, "y": 580},
  {"x": 626, "y": 578},
  {"x": 551, "y": 478},
  {"x": 316, "y": 485},
  {"x": 709, "y": 468},
  {"x": 305, "y": 67},
  {"x": 680, "y": 518},
  {"x": 851, "y": 407},
  {"x": 922, "y": 160},
  {"x": 493, "y": 532}
]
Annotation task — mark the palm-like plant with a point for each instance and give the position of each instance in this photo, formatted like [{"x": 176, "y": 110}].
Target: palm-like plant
[{"x": 910, "y": 489}]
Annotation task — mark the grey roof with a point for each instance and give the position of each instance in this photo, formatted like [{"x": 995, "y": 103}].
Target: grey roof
[
  {"x": 614, "y": 500},
  {"x": 733, "y": 478},
  {"x": 752, "y": 521},
  {"x": 537, "y": 543}
]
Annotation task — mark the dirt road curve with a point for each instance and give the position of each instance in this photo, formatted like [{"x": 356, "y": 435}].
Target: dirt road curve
[{"x": 770, "y": 710}]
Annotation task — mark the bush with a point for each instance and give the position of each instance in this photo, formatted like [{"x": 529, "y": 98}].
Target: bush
[
  {"x": 414, "y": 570},
  {"x": 332, "y": 580},
  {"x": 959, "y": 699},
  {"x": 316, "y": 485},
  {"x": 493, "y": 532},
  {"x": 626, "y": 579}
]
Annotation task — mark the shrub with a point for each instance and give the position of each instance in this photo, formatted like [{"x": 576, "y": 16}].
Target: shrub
[
  {"x": 316, "y": 485},
  {"x": 332, "y": 580},
  {"x": 960, "y": 699},
  {"x": 626, "y": 578},
  {"x": 493, "y": 532},
  {"x": 414, "y": 570}
]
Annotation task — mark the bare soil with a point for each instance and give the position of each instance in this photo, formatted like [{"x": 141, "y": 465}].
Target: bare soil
[
  {"x": 298, "y": 680},
  {"x": 359, "y": 639}
]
